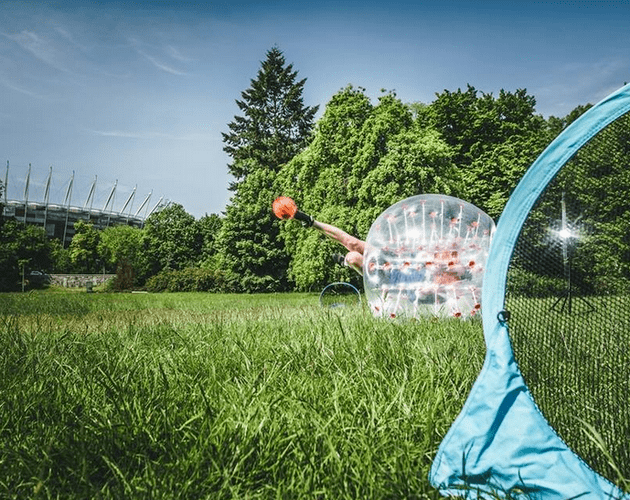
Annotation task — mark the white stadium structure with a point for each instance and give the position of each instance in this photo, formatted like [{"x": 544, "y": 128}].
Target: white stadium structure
[{"x": 53, "y": 201}]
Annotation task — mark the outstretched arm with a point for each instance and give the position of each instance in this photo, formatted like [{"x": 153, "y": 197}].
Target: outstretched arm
[
  {"x": 351, "y": 243},
  {"x": 285, "y": 208}
]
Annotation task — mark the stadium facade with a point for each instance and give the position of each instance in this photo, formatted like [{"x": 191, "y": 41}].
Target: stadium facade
[{"x": 50, "y": 204}]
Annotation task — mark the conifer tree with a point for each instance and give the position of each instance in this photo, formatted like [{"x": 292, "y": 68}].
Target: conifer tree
[
  {"x": 275, "y": 124},
  {"x": 274, "y": 127}
]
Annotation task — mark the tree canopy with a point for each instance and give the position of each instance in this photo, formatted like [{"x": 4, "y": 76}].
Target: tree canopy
[
  {"x": 359, "y": 158},
  {"x": 362, "y": 158},
  {"x": 22, "y": 249}
]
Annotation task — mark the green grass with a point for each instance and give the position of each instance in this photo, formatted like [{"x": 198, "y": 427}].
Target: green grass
[{"x": 223, "y": 396}]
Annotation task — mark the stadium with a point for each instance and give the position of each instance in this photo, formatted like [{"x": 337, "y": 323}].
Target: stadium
[{"x": 53, "y": 201}]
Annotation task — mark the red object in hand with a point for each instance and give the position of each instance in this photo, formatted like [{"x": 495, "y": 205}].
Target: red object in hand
[{"x": 284, "y": 207}]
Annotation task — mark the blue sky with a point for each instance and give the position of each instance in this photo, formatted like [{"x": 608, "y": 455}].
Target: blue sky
[{"x": 140, "y": 92}]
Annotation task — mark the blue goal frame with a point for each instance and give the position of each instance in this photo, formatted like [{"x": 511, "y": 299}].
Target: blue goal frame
[{"x": 500, "y": 444}]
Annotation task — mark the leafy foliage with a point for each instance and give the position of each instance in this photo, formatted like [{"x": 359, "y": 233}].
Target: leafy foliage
[
  {"x": 84, "y": 247},
  {"x": 494, "y": 174},
  {"x": 209, "y": 227},
  {"x": 494, "y": 140},
  {"x": 173, "y": 240},
  {"x": 362, "y": 159},
  {"x": 124, "y": 247},
  {"x": 22, "y": 249},
  {"x": 251, "y": 253},
  {"x": 192, "y": 279}
]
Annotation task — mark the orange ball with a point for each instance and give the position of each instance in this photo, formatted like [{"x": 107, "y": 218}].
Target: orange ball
[{"x": 284, "y": 207}]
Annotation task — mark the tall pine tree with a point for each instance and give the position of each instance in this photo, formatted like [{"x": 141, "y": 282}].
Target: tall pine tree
[{"x": 274, "y": 127}]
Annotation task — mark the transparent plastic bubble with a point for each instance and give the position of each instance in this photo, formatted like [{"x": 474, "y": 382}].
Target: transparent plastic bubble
[
  {"x": 425, "y": 256},
  {"x": 340, "y": 295}
]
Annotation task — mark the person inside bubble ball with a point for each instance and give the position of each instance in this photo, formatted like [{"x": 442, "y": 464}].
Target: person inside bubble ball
[{"x": 285, "y": 208}]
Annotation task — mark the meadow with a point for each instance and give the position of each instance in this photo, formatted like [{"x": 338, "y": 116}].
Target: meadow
[{"x": 223, "y": 396}]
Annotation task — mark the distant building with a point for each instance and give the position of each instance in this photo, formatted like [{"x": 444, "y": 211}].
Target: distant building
[{"x": 59, "y": 216}]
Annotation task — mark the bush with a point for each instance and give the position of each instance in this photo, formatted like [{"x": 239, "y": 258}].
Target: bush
[
  {"x": 159, "y": 282},
  {"x": 191, "y": 279},
  {"x": 124, "y": 277}
]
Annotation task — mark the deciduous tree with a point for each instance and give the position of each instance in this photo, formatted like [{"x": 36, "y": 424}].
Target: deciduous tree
[
  {"x": 124, "y": 246},
  {"x": 173, "y": 239},
  {"x": 362, "y": 159},
  {"x": 84, "y": 247},
  {"x": 21, "y": 244}
]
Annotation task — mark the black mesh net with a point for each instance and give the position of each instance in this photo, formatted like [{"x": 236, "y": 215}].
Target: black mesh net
[{"x": 568, "y": 293}]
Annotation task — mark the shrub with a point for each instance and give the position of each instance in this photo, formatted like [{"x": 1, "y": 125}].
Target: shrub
[
  {"x": 159, "y": 282},
  {"x": 191, "y": 279}
]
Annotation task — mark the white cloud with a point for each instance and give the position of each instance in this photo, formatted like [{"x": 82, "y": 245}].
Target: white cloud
[
  {"x": 194, "y": 136},
  {"x": 177, "y": 55},
  {"x": 154, "y": 60},
  {"x": 41, "y": 48},
  {"x": 19, "y": 89},
  {"x": 70, "y": 38}
]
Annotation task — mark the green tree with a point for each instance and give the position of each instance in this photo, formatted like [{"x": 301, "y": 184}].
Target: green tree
[
  {"x": 84, "y": 247},
  {"x": 557, "y": 125},
  {"x": 362, "y": 159},
  {"x": 472, "y": 122},
  {"x": 320, "y": 174},
  {"x": 318, "y": 179},
  {"x": 124, "y": 246},
  {"x": 493, "y": 175},
  {"x": 60, "y": 257},
  {"x": 172, "y": 239},
  {"x": 209, "y": 228},
  {"x": 494, "y": 140},
  {"x": 21, "y": 245},
  {"x": 275, "y": 126},
  {"x": 252, "y": 255}
]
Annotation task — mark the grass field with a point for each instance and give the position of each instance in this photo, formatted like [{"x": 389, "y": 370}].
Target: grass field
[{"x": 223, "y": 396}]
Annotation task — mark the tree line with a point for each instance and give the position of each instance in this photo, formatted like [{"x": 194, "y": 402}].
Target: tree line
[{"x": 356, "y": 160}]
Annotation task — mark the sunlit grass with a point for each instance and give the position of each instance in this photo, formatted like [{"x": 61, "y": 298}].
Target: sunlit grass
[{"x": 223, "y": 396}]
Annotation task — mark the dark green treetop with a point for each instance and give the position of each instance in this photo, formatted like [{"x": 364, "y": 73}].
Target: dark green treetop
[{"x": 275, "y": 124}]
